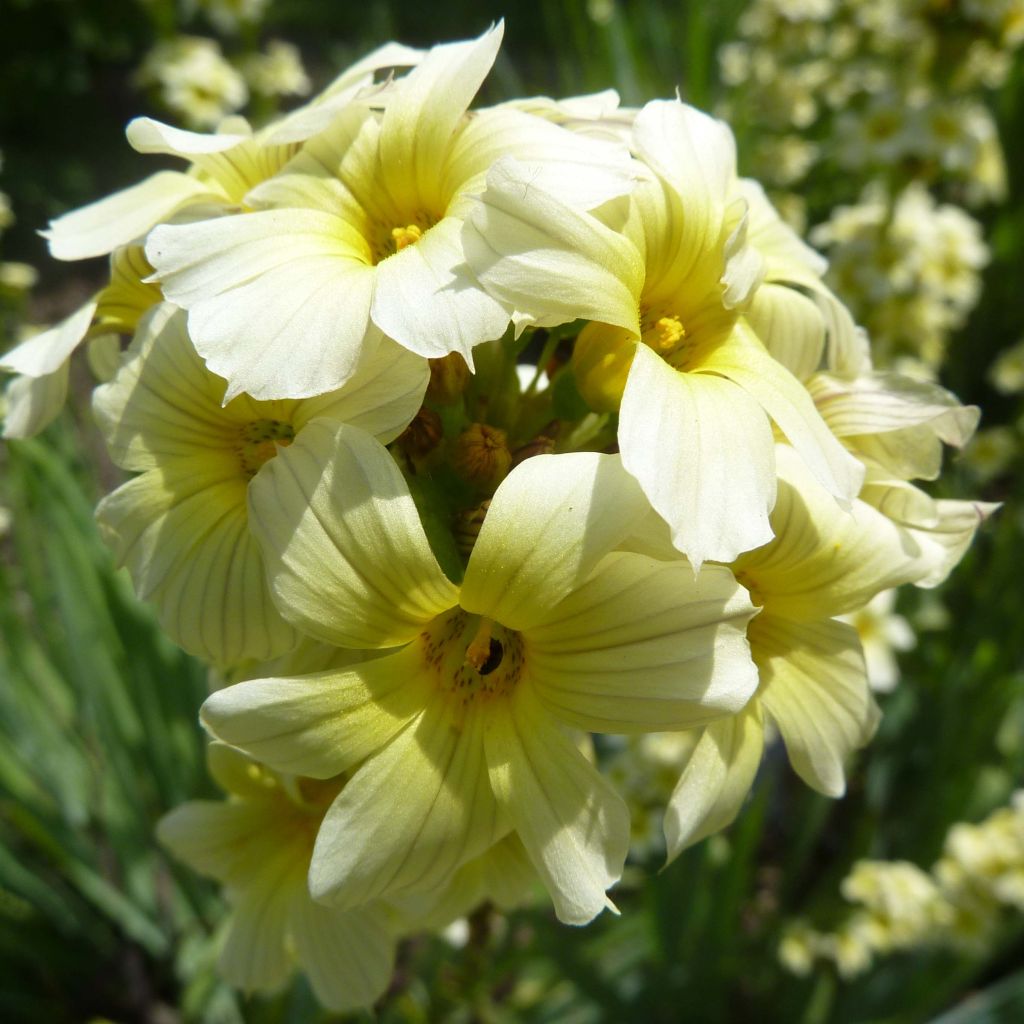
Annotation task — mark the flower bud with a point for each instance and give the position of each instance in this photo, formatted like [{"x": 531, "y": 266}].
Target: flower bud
[
  {"x": 447, "y": 378},
  {"x": 601, "y": 360},
  {"x": 422, "y": 435},
  {"x": 467, "y": 527},
  {"x": 481, "y": 455}
]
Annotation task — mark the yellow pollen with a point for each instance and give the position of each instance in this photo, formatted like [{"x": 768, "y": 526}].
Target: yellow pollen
[
  {"x": 408, "y": 235},
  {"x": 667, "y": 334},
  {"x": 479, "y": 649}
]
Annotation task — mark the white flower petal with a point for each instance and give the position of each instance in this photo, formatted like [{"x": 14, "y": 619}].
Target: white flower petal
[
  {"x": 543, "y": 257},
  {"x": 946, "y": 542},
  {"x": 745, "y": 362},
  {"x": 355, "y": 83},
  {"x": 550, "y": 522},
  {"x": 695, "y": 155},
  {"x": 346, "y": 554},
  {"x": 645, "y": 645},
  {"x": 321, "y": 724},
  {"x": 278, "y": 300},
  {"x": 423, "y": 112},
  {"x": 573, "y": 824},
  {"x": 371, "y": 844},
  {"x": 825, "y": 561},
  {"x": 790, "y": 326},
  {"x": 428, "y": 301},
  {"x": 716, "y": 779},
  {"x": 815, "y": 687},
  {"x": 702, "y": 451},
  {"x": 213, "y": 836},
  {"x": 147, "y": 135},
  {"x": 580, "y": 171},
  {"x": 347, "y": 955},
  {"x": 182, "y": 531},
  {"x": 125, "y": 216},
  {"x": 382, "y": 396},
  {"x": 48, "y": 351},
  {"x": 255, "y": 957},
  {"x": 33, "y": 403}
]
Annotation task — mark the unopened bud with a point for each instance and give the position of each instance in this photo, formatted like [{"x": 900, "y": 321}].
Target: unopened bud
[
  {"x": 601, "y": 360},
  {"x": 448, "y": 377},
  {"x": 542, "y": 444},
  {"x": 422, "y": 435},
  {"x": 467, "y": 527},
  {"x": 481, "y": 455}
]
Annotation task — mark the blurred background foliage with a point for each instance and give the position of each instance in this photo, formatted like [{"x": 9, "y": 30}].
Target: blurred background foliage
[{"x": 98, "y": 733}]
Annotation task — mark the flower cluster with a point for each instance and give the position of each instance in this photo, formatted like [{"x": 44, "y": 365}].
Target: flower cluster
[
  {"x": 195, "y": 81},
  {"x": 891, "y": 99},
  {"x": 428, "y": 574},
  {"x": 960, "y": 903},
  {"x": 879, "y": 84},
  {"x": 910, "y": 265}
]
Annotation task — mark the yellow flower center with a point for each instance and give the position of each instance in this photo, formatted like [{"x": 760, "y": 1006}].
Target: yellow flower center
[
  {"x": 259, "y": 442},
  {"x": 472, "y": 658},
  {"x": 386, "y": 239},
  {"x": 408, "y": 235},
  {"x": 665, "y": 335}
]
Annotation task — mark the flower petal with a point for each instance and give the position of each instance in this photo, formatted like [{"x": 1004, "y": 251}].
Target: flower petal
[
  {"x": 278, "y": 300},
  {"x": 183, "y": 533},
  {"x": 255, "y": 957},
  {"x": 701, "y": 449},
  {"x": 815, "y": 687},
  {"x": 550, "y": 522},
  {"x": 48, "y": 351},
  {"x": 322, "y": 724},
  {"x": 346, "y": 554},
  {"x": 125, "y": 216},
  {"x": 355, "y": 82},
  {"x": 716, "y": 779},
  {"x": 825, "y": 561},
  {"x": 790, "y": 326},
  {"x": 382, "y": 396},
  {"x": 645, "y": 645},
  {"x": 162, "y": 402},
  {"x": 347, "y": 955},
  {"x": 573, "y": 824},
  {"x": 895, "y": 421},
  {"x": 581, "y": 171},
  {"x": 542, "y": 256},
  {"x": 33, "y": 403},
  {"x": 428, "y": 301},
  {"x": 371, "y": 844},
  {"x": 694, "y": 154},
  {"x": 237, "y": 161},
  {"x": 427, "y": 105},
  {"x": 744, "y": 360},
  {"x": 214, "y": 837}
]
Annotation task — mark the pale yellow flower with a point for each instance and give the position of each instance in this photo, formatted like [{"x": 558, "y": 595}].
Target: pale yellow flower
[
  {"x": 258, "y": 843},
  {"x": 668, "y": 348},
  {"x": 359, "y": 235},
  {"x": 182, "y": 526},
  {"x": 466, "y": 715}
]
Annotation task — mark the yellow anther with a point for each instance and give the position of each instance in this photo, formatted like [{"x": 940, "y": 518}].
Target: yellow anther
[
  {"x": 260, "y": 441},
  {"x": 666, "y": 335},
  {"x": 408, "y": 235}
]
